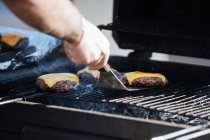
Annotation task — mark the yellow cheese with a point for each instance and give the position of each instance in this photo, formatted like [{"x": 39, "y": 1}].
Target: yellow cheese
[
  {"x": 51, "y": 79},
  {"x": 138, "y": 74},
  {"x": 10, "y": 39}
]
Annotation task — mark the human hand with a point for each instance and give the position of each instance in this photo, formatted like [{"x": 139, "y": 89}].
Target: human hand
[{"x": 93, "y": 49}]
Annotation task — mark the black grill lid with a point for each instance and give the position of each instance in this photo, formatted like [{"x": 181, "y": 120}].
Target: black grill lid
[{"x": 173, "y": 27}]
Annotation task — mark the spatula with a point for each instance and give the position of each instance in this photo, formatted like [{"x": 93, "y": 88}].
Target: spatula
[{"x": 108, "y": 79}]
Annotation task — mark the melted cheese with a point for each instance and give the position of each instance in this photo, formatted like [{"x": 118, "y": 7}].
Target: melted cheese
[
  {"x": 94, "y": 73},
  {"x": 138, "y": 74},
  {"x": 51, "y": 79},
  {"x": 10, "y": 39}
]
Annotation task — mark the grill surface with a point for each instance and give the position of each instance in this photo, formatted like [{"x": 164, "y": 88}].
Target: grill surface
[
  {"x": 186, "y": 95},
  {"x": 183, "y": 98}
]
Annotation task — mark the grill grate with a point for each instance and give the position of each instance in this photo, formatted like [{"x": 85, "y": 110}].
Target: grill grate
[
  {"x": 191, "y": 100},
  {"x": 186, "y": 98}
]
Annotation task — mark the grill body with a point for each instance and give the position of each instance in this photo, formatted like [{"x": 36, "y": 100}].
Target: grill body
[
  {"x": 52, "y": 116},
  {"x": 175, "y": 27},
  {"x": 91, "y": 113},
  {"x": 26, "y": 120}
]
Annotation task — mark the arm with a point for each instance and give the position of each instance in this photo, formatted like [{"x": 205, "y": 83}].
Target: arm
[
  {"x": 59, "y": 18},
  {"x": 83, "y": 41}
]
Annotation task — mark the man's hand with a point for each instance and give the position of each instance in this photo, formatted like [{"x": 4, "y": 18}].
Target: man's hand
[{"x": 92, "y": 49}]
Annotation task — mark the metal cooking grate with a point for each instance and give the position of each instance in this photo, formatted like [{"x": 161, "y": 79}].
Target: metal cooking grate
[
  {"x": 190, "y": 99},
  {"x": 184, "y": 98},
  {"x": 194, "y": 102}
]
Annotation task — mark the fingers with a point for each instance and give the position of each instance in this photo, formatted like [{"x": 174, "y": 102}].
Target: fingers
[
  {"x": 100, "y": 63},
  {"x": 104, "y": 55},
  {"x": 93, "y": 50}
]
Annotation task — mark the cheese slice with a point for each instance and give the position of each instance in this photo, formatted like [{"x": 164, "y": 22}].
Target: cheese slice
[
  {"x": 138, "y": 74},
  {"x": 51, "y": 79},
  {"x": 11, "y": 39}
]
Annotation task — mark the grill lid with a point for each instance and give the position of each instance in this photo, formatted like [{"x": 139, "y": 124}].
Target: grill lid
[{"x": 175, "y": 27}]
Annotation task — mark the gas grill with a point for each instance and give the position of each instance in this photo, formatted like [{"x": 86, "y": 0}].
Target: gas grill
[{"x": 90, "y": 113}]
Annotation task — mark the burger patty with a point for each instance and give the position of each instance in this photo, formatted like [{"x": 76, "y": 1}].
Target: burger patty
[
  {"x": 57, "y": 82},
  {"x": 144, "y": 79},
  {"x": 88, "y": 76}
]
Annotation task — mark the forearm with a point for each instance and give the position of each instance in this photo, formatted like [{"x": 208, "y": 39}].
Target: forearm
[{"x": 59, "y": 18}]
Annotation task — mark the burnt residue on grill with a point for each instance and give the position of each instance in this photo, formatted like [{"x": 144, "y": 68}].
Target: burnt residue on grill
[
  {"x": 179, "y": 102},
  {"x": 123, "y": 109}
]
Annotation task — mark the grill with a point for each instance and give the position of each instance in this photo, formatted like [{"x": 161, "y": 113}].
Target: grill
[
  {"x": 179, "y": 110},
  {"x": 187, "y": 98}
]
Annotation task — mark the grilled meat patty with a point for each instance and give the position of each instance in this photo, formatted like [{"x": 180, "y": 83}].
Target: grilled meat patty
[
  {"x": 88, "y": 76},
  {"x": 57, "y": 82},
  {"x": 92, "y": 76},
  {"x": 144, "y": 79}
]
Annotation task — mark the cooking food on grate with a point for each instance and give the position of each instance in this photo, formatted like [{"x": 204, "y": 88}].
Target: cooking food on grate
[
  {"x": 92, "y": 76},
  {"x": 135, "y": 78},
  {"x": 144, "y": 79},
  {"x": 11, "y": 41},
  {"x": 87, "y": 75},
  {"x": 57, "y": 82}
]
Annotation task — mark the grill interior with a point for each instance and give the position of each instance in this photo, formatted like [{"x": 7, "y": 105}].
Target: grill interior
[{"x": 185, "y": 100}]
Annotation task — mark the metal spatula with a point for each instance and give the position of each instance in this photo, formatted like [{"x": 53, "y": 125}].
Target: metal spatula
[{"x": 108, "y": 79}]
